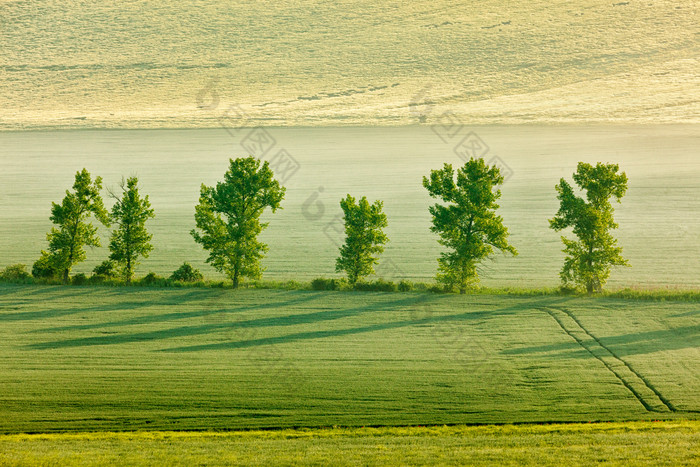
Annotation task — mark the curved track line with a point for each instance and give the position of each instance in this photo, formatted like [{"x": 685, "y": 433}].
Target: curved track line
[{"x": 629, "y": 377}]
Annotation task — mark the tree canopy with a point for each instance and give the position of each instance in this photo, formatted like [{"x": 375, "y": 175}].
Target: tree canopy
[
  {"x": 589, "y": 259},
  {"x": 364, "y": 237},
  {"x": 228, "y": 217},
  {"x": 467, "y": 224},
  {"x": 130, "y": 240},
  {"x": 73, "y": 232}
]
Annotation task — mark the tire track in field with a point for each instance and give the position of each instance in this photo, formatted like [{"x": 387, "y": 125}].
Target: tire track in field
[{"x": 638, "y": 385}]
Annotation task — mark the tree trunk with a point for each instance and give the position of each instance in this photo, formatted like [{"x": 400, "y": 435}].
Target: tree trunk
[
  {"x": 463, "y": 279},
  {"x": 65, "y": 275},
  {"x": 128, "y": 271},
  {"x": 235, "y": 278}
]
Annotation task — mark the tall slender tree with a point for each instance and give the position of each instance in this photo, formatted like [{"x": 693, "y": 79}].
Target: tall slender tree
[
  {"x": 228, "y": 217},
  {"x": 73, "y": 231},
  {"x": 364, "y": 237},
  {"x": 468, "y": 224},
  {"x": 589, "y": 259},
  {"x": 130, "y": 240}
]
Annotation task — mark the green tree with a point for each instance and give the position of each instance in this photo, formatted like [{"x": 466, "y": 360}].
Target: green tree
[
  {"x": 43, "y": 267},
  {"x": 228, "y": 216},
  {"x": 67, "y": 241},
  {"x": 590, "y": 258},
  {"x": 130, "y": 240},
  {"x": 364, "y": 238},
  {"x": 468, "y": 225}
]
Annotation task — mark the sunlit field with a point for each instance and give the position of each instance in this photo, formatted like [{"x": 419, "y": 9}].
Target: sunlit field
[
  {"x": 114, "y": 64},
  {"x": 638, "y": 443}
]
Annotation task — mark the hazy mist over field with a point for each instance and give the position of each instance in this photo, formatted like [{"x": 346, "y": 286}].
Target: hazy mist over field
[{"x": 69, "y": 64}]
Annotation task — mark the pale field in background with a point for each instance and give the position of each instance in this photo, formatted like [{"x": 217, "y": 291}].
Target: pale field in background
[
  {"x": 71, "y": 64},
  {"x": 659, "y": 226}
]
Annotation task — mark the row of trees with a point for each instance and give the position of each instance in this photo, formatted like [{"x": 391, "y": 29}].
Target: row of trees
[
  {"x": 73, "y": 231},
  {"x": 228, "y": 214}
]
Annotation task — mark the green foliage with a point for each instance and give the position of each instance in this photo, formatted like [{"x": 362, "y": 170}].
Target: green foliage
[
  {"x": 14, "y": 273},
  {"x": 130, "y": 240},
  {"x": 106, "y": 269},
  {"x": 186, "y": 273},
  {"x": 379, "y": 285},
  {"x": 322, "y": 283},
  {"x": 80, "y": 279},
  {"x": 364, "y": 237},
  {"x": 73, "y": 233},
  {"x": 228, "y": 218},
  {"x": 405, "y": 286},
  {"x": 468, "y": 225},
  {"x": 43, "y": 267},
  {"x": 590, "y": 258},
  {"x": 153, "y": 280}
]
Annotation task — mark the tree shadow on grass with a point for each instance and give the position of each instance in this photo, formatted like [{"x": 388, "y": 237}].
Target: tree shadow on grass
[
  {"x": 90, "y": 296},
  {"x": 689, "y": 313},
  {"x": 179, "y": 315},
  {"x": 187, "y": 331},
  {"x": 399, "y": 304},
  {"x": 406, "y": 303},
  {"x": 623, "y": 345}
]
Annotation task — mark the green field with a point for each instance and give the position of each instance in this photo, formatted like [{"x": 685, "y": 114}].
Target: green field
[
  {"x": 361, "y": 98},
  {"x": 637, "y": 443},
  {"x": 85, "y": 359}
]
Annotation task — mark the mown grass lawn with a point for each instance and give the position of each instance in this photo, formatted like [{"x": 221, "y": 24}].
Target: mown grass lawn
[
  {"x": 113, "y": 359},
  {"x": 631, "y": 443}
]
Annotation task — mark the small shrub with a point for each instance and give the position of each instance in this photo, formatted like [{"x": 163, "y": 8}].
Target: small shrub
[
  {"x": 15, "y": 272},
  {"x": 152, "y": 279},
  {"x": 322, "y": 283},
  {"x": 102, "y": 280},
  {"x": 439, "y": 289},
  {"x": 186, "y": 273},
  {"x": 106, "y": 269},
  {"x": 379, "y": 285},
  {"x": 293, "y": 285},
  {"x": 42, "y": 268},
  {"x": 405, "y": 286},
  {"x": 80, "y": 279},
  {"x": 566, "y": 290}
]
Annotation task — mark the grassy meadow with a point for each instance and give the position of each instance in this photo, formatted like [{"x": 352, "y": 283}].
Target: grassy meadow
[
  {"x": 114, "y": 359},
  {"x": 635, "y": 443}
]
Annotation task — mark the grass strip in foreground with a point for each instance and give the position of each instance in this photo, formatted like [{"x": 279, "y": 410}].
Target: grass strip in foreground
[{"x": 636, "y": 443}]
